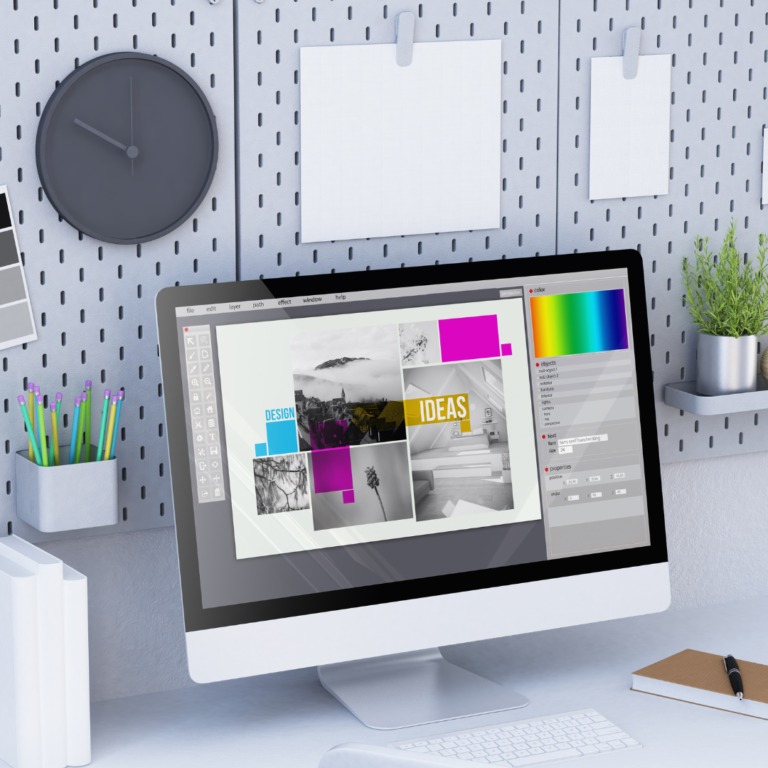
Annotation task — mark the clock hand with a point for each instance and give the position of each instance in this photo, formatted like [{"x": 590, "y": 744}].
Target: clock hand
[{"x": 130, "y": 151}]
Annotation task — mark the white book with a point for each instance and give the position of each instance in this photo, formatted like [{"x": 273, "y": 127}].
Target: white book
[
  {"x": 76, "y": 670},
  {"x": 50, "y": 612},
  {"x": 19, "y": 675}
]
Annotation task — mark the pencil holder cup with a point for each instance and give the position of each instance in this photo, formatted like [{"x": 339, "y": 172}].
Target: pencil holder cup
[{"x": 68, "y": 497}]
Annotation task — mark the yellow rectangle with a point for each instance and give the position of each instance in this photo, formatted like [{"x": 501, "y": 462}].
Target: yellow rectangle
[{"x": 437, "y": 410}]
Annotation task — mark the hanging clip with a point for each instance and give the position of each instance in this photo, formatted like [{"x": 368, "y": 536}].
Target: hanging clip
[
  {"x": 404, "y": 26},
  {"x": 630, "y": 46}
]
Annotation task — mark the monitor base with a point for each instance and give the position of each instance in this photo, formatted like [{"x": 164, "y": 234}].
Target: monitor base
[{"x": 414, "y": 688}]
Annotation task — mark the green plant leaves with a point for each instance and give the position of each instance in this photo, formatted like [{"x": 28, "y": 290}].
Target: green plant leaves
[{"x": 726, "y": 294}]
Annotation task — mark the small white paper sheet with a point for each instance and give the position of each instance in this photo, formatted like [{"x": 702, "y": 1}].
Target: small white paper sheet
[
  {"x": 629, "y": 128},
  {"x": 389, "y": 150}
]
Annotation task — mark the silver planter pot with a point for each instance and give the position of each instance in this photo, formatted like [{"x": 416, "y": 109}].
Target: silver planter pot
[{"x": 725, "y": 365}]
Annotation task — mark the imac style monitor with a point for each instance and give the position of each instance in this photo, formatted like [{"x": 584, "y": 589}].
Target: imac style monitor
[{"x": 369, "y": 465}]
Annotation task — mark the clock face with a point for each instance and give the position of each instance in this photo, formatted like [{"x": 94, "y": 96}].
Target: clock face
[{"x": 127, "y": 148}]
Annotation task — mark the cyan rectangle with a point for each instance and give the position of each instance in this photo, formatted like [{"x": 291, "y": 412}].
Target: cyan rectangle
[
  {"x": 261, "y": 450},
  {"x": 281, "y": 437}
]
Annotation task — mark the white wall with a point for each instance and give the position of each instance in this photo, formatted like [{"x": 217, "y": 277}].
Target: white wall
[{"x": 717, "y": 528}]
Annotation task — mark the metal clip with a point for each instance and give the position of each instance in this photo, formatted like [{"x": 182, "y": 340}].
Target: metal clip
[
  {"x": 404, "y": 27},
  {"x": 630, "y": 46}
]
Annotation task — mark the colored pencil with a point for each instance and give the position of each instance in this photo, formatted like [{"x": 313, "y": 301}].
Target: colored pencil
[
  {"x": 31, "y": 403},
  {"x": 80, "y": 427},
  {"x": 120, "y": 398},
  {"x": 73, "y": 443},
  {"x": 104, "y": 414},
  {"x": 54, "y": 460},
  {"x": 41, "y": 424},
  {"x": 88, "y": 385},
  {"x": 59, "y": 398},
  {"x": 110, "y": 429},
  {"x": 30, "y": 430},
  {"x": 51, "y": 457},
  {"x": 35, "y": 393}
]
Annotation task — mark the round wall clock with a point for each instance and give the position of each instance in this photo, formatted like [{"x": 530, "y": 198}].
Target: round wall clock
[{"x": 127, "y": 148}]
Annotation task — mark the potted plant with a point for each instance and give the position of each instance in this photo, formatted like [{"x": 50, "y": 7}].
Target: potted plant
[{"x": 727, "y": 297}]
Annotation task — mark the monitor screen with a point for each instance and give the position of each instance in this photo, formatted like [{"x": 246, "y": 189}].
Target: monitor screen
[{"x": 404, "y": 439}]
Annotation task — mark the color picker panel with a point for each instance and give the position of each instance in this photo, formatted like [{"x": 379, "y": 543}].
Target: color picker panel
[{"x": 578, "y": 323}]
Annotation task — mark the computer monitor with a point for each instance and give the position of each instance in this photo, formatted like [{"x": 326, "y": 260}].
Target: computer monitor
[{"x": 376, "y": 463}]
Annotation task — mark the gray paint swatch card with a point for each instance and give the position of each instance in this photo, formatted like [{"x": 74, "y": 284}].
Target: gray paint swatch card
[{"x": 17, "y": 323}]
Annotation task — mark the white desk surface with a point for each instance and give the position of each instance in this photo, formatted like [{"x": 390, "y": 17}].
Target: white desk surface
[{"x": 286, "y": 720}]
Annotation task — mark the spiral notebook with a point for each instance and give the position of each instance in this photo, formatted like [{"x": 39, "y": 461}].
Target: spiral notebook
[{"x": 700, "y": 678}]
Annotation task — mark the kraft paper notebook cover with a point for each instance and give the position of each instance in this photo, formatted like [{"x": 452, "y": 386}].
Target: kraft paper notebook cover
[{"x": 700, "y": 678}]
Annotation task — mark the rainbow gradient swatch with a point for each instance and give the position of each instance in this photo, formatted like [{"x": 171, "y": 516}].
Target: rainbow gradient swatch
[{"x": 577, "y": 323}]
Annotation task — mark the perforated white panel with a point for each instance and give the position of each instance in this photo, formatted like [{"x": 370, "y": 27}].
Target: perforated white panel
[
  {"x": 269, "y": 37},
  {"x": 94, "y": 302},
  {"x": 718, "y": 110}
]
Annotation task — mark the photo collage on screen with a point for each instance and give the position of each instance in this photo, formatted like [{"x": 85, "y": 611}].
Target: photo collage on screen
[{"x": 390, "y": 422}]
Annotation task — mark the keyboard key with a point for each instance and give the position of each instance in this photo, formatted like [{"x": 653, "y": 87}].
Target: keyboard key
[
  {"x": 406, "y": 746},
  {"x": 479, "y": 760},
  {"x": 420, "y": 743},
  {"x": 447, "y": 752},
  {"x": 419, "y": 749},
  {"x": 481, "y": 753},
  {"x": 435, "y": 741},
  {"x": 494, "y": 759},
  {"x": 617, "y": 744},
  {"x": 550, "y": 749},
  {"x": 434, "y": 747},
  {"x": 518, "y": 762},
  {"x": 590, "y": 740},
  {"x": 522, "y": 753},
  {"x": 603, "y": 747},
  {"x": 461, "y": 750},
  {"x": 588, "y": 749},
  {"x": 465, "y": 756},
  {"x": 536, "y": 751},
  {"x": 606, "y": 731},
  {"x": 630, "y": 742},
  {"x": 493, "y": 750}
]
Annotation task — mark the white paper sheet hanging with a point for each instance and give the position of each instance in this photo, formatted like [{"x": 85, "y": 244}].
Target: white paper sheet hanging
[
  {"x": 629, "y": 128},
  {"x": 388, "y": 150}
]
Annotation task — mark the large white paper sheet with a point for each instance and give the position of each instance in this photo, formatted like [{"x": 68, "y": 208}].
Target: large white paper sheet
[
  {"x": 629, "y": 128},
  {"x": 388, "y": 150}
]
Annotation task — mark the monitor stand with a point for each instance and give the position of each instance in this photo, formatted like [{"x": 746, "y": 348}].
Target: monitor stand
[{"x": 412, "y": 689}]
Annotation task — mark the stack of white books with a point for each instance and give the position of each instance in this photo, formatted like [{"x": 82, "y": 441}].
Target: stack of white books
[{"x": 45, "y": 717}]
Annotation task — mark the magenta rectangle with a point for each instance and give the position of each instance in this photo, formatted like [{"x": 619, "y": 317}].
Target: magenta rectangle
[
  {"x": 332, "y": 470},
  {"x": 506, "y": 349},
  {"x": 348, "y": 497},
  {"x": 469, "y": 338}
]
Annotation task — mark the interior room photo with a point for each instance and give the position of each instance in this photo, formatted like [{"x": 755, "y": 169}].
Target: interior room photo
[
  {"x": 455, "y": 472},
  {"x": 383, "y": 385}
]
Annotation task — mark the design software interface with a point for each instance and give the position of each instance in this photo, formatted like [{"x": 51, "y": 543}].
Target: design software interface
[{"x": 355, "y": 439}]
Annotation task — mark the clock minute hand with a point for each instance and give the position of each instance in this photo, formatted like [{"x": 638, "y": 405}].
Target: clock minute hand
[{"x": 104, "y": 136}]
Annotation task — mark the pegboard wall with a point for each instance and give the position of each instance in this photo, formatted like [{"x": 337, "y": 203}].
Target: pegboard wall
[
  {"x": 94, "y": 302},
  {"x": 718, "y": 109}
]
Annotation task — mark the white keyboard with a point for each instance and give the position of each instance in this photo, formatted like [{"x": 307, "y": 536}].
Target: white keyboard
[{"x": 528, "y": 742}]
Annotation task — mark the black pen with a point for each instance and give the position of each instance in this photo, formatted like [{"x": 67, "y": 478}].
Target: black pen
[{"x": 734, "y": 675}]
